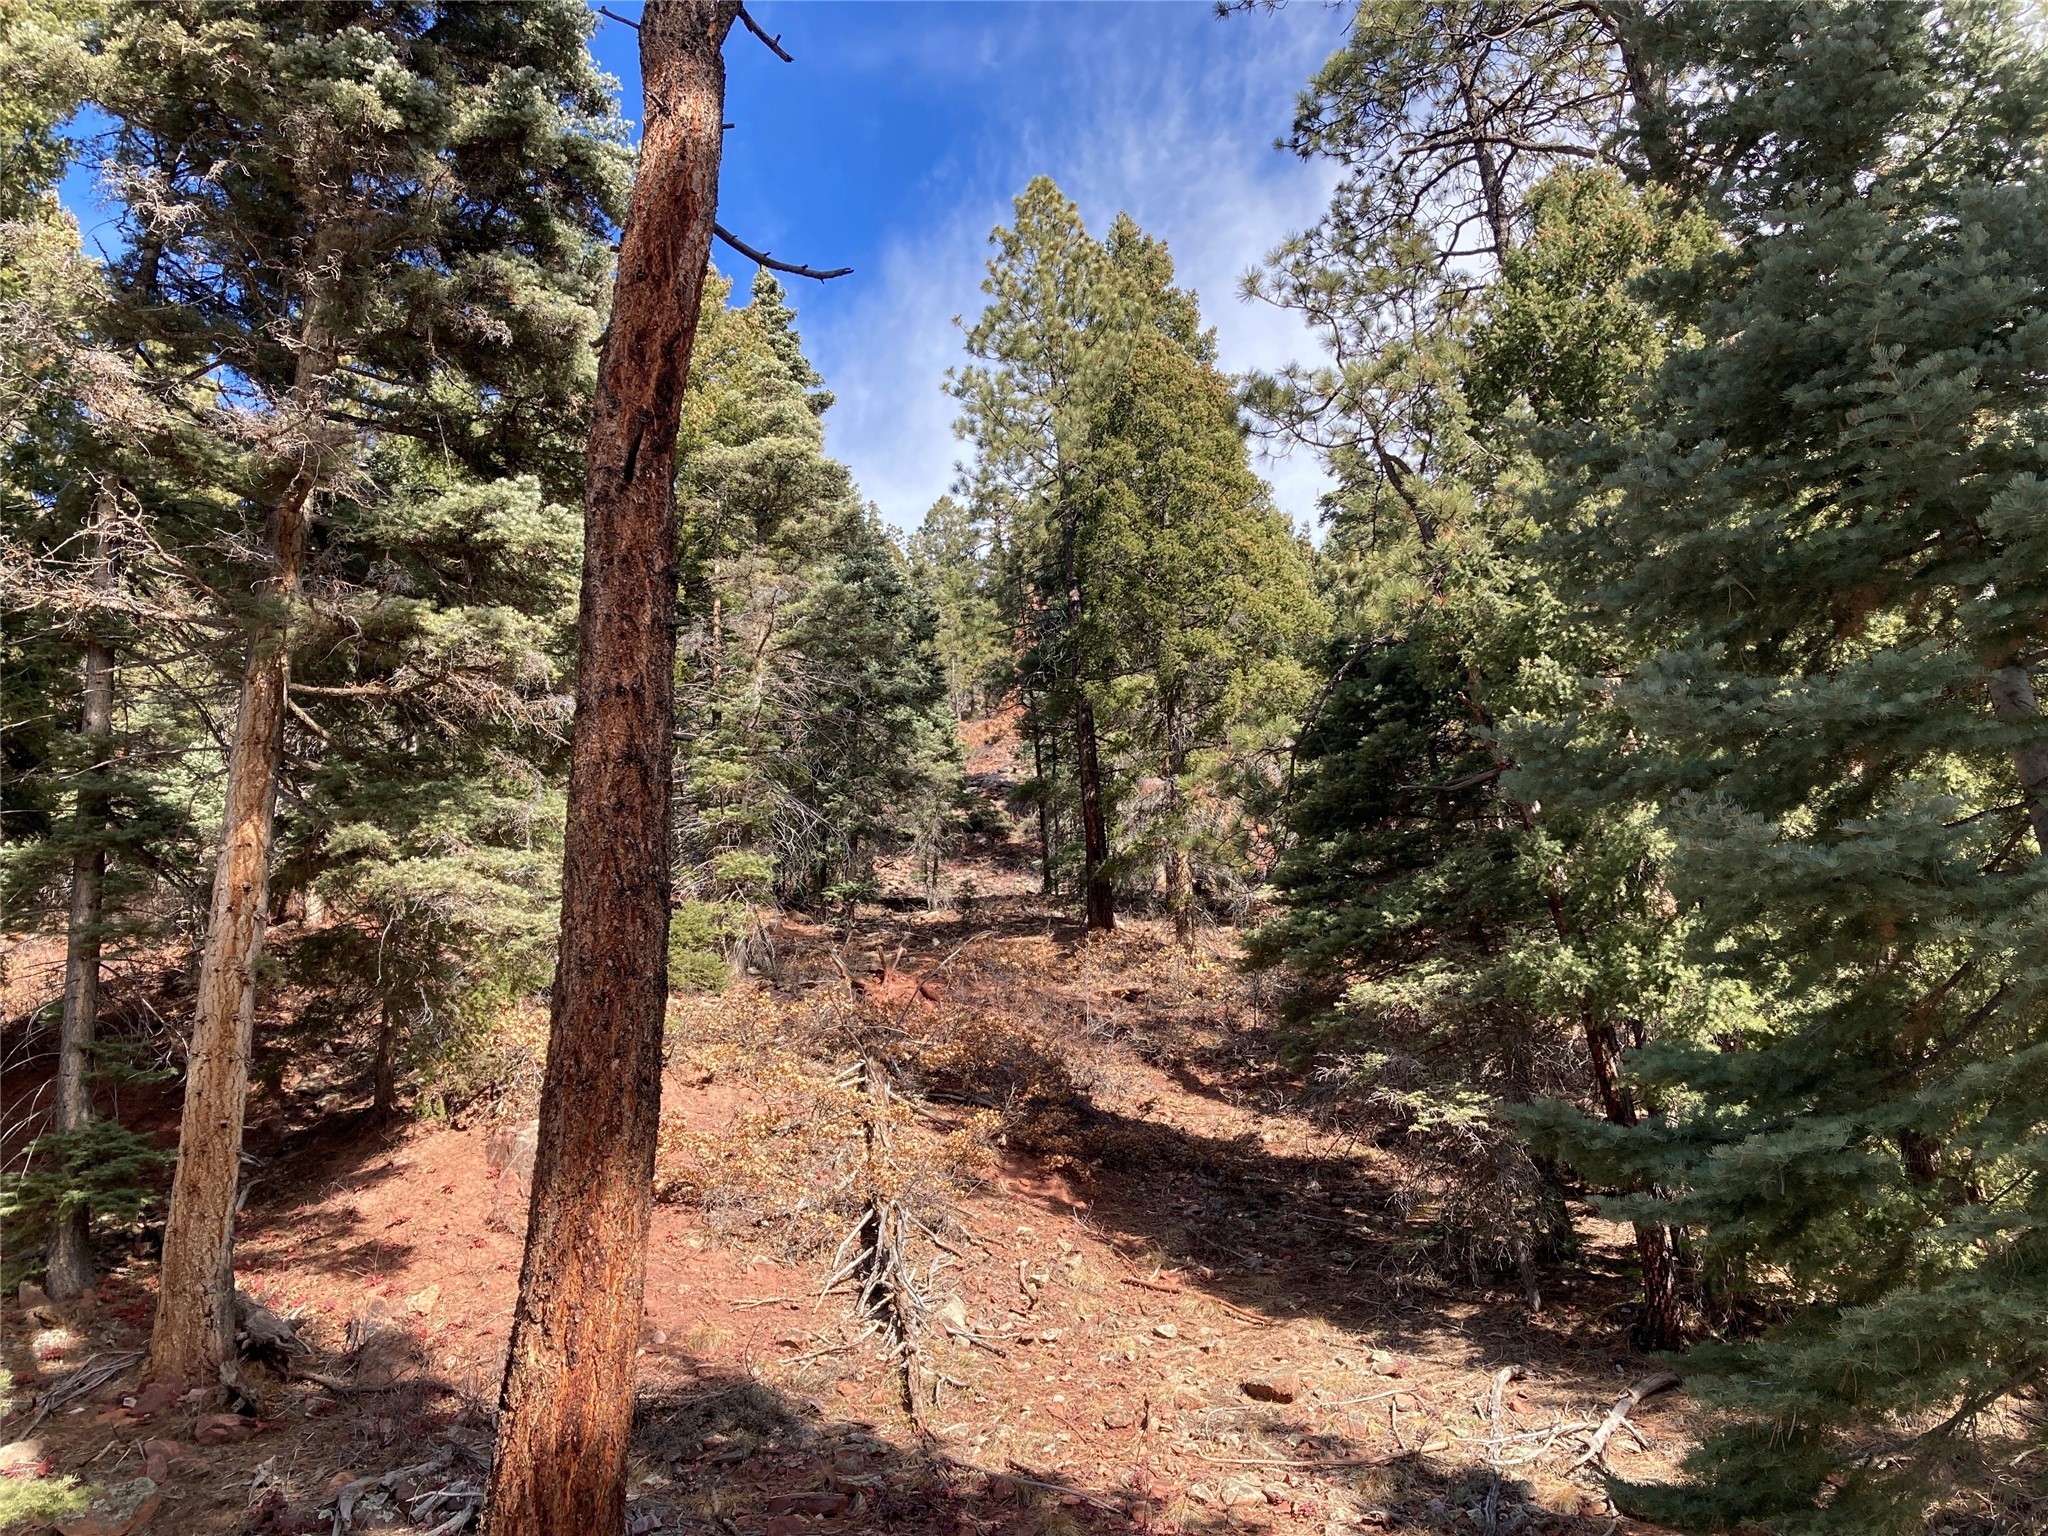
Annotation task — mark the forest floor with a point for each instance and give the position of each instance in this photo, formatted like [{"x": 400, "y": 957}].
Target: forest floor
[{"x": 1154, "y": 1287}]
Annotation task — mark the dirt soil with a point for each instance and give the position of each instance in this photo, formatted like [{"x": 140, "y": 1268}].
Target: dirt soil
[{"x": 1163, "y": 1294}]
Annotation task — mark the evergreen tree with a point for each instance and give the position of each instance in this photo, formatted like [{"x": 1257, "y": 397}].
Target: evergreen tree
[
  {"x": 342, "y": 221},
  {"x": 1823, "y": 540},
  {"x": 814, "y": 727},
  {"x": 1082, "y": 474},
  {"x": 957, "y": 569},
  {"x": 1198, "y": 614}
]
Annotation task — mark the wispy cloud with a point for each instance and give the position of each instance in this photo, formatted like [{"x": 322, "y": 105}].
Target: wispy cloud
[{"x": 1162, "y": 111}]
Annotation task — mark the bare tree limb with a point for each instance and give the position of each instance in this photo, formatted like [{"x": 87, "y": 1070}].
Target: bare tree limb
[
  {"x": 774, "y": 43},
  {"x": 762, "y": 258}
]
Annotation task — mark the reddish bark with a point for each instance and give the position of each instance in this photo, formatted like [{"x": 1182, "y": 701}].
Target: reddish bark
[
  {"x": 566, "y": 1408},
  {"x": 193, "y": 1338}
]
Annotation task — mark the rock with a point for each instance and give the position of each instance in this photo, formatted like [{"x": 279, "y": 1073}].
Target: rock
[
  {"x": 1119, "y": 1418},
  {"x": 422, "y": 1302},
  {"x": 223, "y": 1429},
  {"x": 1237, "y": 1495},
  {"x": 23, "y": 1458},
  {"x": 153, "y": 1398},
  {"x": 1201, "y": 1493},
  {"x": 1381, "y": 1357},
  {"x": 952, "y": 1315},
  {"x": 158, "y": 1455},
  {"x": 1166, "y": 1330},
  {"x": 1001, "y": 1488},
  {"x": 1275, "y": 1387}
]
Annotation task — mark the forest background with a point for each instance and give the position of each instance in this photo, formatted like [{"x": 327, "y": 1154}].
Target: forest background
[{"x": 1640, "y": 785}]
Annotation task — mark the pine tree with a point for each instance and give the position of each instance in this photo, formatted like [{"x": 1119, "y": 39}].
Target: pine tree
[
  {"x": 1079, "y": 348},
  {"x": 1199, "y": 610},
  {"x": 814, "y": 733},
  {"x": 1823, "y": 540},
  {"x": 953, "y": 563},
  {"x": 340, "y": 221}
]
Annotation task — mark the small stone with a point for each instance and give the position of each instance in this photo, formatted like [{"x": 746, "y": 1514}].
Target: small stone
[
  {"x": 223, "y": 1429},
  {"x": 1166, "y": 1330},
  {"x": 1237, "y": 1495},
  {"x": 846, "y": 1388},
  {"x": 154, "y": 1398},
  {"x": 23, "y": 1458},
  {"x": 1119, "y": 1418},
  {"x": 422, "y": 1302},
  {"x": 1201, "y": 1493},
  {"x": 1381, "y": 1357},
  {"x": 1277, "y": 1387},
  {"x": 157, "y": 1457}
]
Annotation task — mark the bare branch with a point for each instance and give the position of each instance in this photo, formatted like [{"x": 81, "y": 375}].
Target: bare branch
[
  {"x": 774, "y": 43},
  {"x": 762, "y": 258}
]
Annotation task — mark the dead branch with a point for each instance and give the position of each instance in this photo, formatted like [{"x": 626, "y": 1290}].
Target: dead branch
[
  {"x": 763, "y": 259},
  {"x": 1596, "y": 1444},
  {"x": 774, "y": 43}
]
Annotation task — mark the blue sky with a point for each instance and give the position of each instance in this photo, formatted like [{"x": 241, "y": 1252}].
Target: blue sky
[{"x": 897, "y": 139}]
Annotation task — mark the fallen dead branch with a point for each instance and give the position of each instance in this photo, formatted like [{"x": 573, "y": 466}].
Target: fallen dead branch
[
  {"x": 1251, "y": 1317},
  {"x": 1596, "y": 1443},
  {"x": 96, "y": 1372}
]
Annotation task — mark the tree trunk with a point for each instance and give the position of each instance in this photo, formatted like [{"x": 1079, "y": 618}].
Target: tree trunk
[
  {"x": 1099, "y": 893},
  {"x": 1661, "y": 1326},
  {"x": 193, "y": 1338},
  {"x": 565, "y": 1412},
  {"x": 1038, "y": 772},
  {"x": 1178, "y": 901},
  {"x": 70, "y": 1255},
  {"x": 2013, "y": 701},
  {"x": 384, "y": 1080}
]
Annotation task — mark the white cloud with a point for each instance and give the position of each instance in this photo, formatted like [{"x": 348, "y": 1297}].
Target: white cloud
[{"x": 1162, "y": 111}]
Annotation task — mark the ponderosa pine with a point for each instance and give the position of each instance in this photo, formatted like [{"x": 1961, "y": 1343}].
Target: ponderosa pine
[{"x": 565, "y": 1411}]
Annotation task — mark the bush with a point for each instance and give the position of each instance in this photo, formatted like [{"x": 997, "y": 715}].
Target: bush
[
  {"x": 101, "y": 1166},
  {"x": 701, "y": 937}
]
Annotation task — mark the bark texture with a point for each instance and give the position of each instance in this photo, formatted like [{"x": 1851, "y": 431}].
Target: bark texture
[
  {"x": 193, "y": 1339},
  {"x": 565, "y": 1411},
  {"x": 2013, "y": 701},
  {"x": 69, "y": 1262}
]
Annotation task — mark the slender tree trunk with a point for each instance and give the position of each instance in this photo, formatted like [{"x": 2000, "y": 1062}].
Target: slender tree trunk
[
  {"x": 70, "y": 1255},
  {"x": 1099, "y": 893},
  {"x": 1661, "y": 1327},
  {"x": 194, "y": 1336},
  {"x": 384, "y": 1081},
  {"x": 565, "y": 1413},
  {"x": 2013, "y": 701},
  {"x": 1038, "y": 772},
  {"x": 1178, "y": 901}
]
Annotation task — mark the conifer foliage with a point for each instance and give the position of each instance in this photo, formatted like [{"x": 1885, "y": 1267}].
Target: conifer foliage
[
  {"x": 1824, "y": 539},
  {"x": 1157, "y": 603}
]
